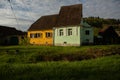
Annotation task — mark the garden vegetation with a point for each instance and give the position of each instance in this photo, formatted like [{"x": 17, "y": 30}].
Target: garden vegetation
[{"x": 60, "y": 63}]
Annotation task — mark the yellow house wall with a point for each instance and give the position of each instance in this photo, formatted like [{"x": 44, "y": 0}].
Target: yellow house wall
[{"x": 41, "y": 40}]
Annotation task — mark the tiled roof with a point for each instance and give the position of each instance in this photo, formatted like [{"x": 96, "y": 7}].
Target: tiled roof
[
  {"x": 8, "y": 31},
  {"x": 108, "y": 31},
  {"x": 45, "y": 22},
  {"x": 70, "y": 15},
  {"x": 104, "y": 28}
]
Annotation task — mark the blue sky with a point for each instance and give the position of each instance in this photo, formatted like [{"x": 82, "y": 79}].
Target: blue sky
[{"x": 28, "y": 11}]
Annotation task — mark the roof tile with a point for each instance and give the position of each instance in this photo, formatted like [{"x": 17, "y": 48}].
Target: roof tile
[{"x": 68, "y": 15}]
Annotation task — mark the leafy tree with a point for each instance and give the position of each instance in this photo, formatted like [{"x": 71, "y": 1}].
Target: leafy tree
[{"x": 99, "y": 22}]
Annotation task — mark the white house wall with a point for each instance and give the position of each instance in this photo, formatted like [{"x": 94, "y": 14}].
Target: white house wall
[
  {"x": 78, "y": 37},
  {"x": 65, "y": 40}
]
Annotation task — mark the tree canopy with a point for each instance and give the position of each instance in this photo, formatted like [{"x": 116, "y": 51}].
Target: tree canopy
[{"x": 99, "y": 22}]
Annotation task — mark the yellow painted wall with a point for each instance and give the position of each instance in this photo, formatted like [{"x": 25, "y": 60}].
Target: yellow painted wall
[{"x": 41, "y": 40}]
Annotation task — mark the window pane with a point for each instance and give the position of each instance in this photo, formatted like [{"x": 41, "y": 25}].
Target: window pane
[
  {"x": 31, "y": 35},
  {"x": 38, "y": 35},
  {"x": 69, "y": 32},
  {"x": 35, "y": 35},
  {"x": 61, "y": 32},
  {"x": 48, "y": 34},
  {"x": 87, "y": 32}
]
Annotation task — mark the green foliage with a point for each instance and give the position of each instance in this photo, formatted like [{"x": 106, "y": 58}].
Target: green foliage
[
  {"x": 106, "y": 68},
  {"x": 26, "y": 63},
  {"x": 96, "y": 31},
  {"x": 24, "y": 41},
  {"x": 96, "y": 22},
  {"x": 99, "y": 22}
]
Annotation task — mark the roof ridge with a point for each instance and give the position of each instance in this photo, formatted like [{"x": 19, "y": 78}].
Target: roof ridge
[
  {"x": 72, "y": 5},
  {"x": 68, "y": 15}
]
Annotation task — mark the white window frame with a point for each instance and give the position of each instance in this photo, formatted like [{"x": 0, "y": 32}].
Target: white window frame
[
  {"x": 70, "y": 32},
  {"x": 61, "y": 32}
]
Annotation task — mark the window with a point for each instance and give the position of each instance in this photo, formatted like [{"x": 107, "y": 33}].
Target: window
[
  {"x": 69, "y": 32},
  {"x": 48, "y": 34},
  {"x": 31, "y": 35},
  {"x": 87, "y": 32},
  {"x": 61, "y": 32},
  {"x": 36, "y": 35}
]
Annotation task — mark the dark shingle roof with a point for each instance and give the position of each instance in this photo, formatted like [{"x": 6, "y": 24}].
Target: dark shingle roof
[
  {"x": 9, "y": 31},
  {"x": 70, "y": 15},
  {"x": 108, "y": 31},
  {"x": 45, "y": 22}
]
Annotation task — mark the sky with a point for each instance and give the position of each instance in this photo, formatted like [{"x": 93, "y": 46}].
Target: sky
[{"x": 26, "y": 12}]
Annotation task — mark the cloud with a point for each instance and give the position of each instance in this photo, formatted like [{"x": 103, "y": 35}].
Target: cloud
[
  {"x": 28, "y": 11},
  {"x": 102, "y": 8}
]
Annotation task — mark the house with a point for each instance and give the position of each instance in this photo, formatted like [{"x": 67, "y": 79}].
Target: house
[
  {"x": 65, "y": 28},
  {"x": 109, "y": 35},
  {"x": 41, "y": 31},
  {"x": 70, "y": 29},
  {"x": 10, "y": 36}
]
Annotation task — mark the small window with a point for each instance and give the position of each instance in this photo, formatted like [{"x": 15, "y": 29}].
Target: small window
[
  {"x": 69, "y": 32},
  {"x": 31, "y": 35},
  {"x": 48, "y": 34},
  {"x": 39, "y": 35},
  {"x": 36, "y": 35},
  {"x": 61, "y": 32},
  {"x": 87, "y": 32},
  {"x": 65, "y": 42}
]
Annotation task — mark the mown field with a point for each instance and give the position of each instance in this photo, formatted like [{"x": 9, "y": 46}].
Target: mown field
[{"x": 60, "y": 63}]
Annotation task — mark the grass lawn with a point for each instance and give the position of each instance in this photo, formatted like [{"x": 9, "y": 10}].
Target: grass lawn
[
  {"x": 106, "y": 68},
  {"x": 33, "y": 54},
  {"x": 60, "y": 63}
]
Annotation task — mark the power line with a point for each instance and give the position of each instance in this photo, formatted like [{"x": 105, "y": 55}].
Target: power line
[
  {"x": 14, "y": 13},
  {"x": 29, "y": 11}
]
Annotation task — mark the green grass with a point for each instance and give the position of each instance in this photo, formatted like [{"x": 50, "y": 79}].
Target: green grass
[
  {"x": 60, "y": 63},
  {"x": 106, "y": 68},
  {"x": 33, "y": 54}
]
